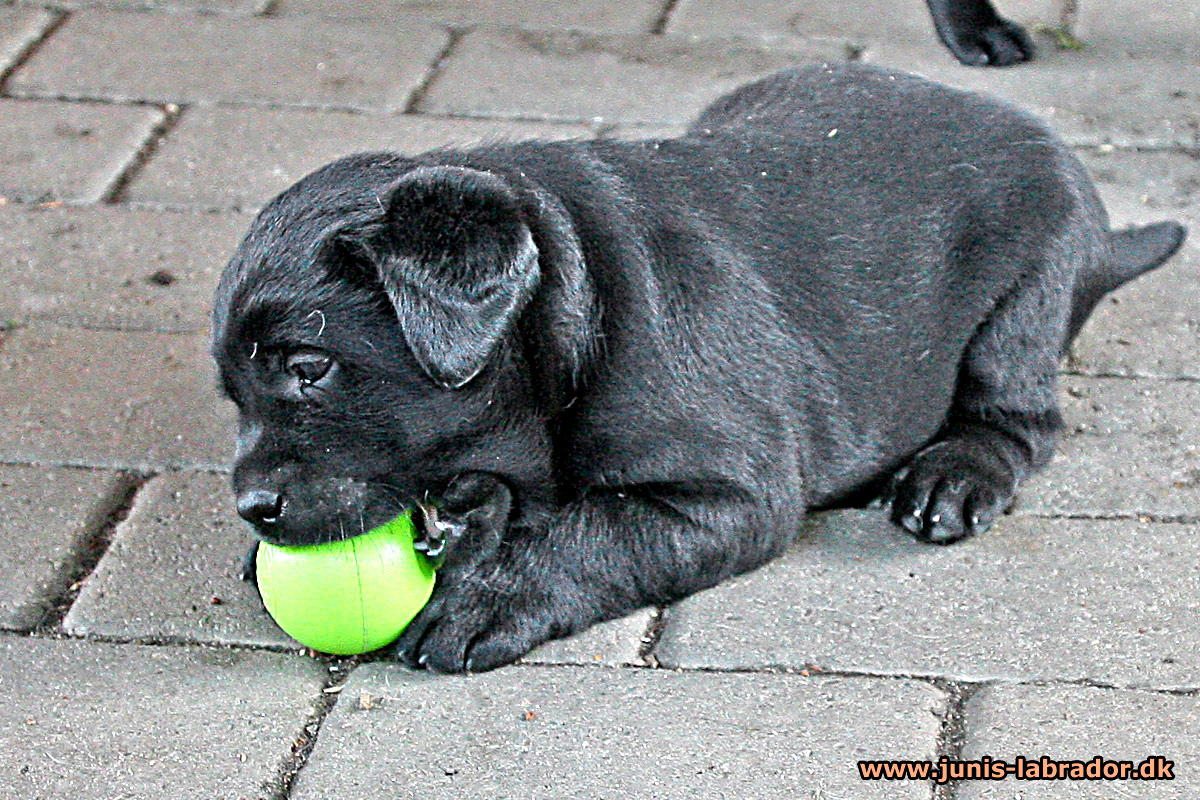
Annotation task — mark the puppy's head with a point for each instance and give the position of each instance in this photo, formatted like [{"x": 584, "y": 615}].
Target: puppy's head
[{"x": 366, "y": 330}]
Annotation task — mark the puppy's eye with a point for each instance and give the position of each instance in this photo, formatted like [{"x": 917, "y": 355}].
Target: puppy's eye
[{"x": 308, "y": 366}]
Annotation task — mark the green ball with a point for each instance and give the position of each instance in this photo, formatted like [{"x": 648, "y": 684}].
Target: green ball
[{"x": 346, "y": 597}]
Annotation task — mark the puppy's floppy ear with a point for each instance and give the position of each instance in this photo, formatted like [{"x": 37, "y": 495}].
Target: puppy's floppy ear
[{"x": 458, "y": 263}]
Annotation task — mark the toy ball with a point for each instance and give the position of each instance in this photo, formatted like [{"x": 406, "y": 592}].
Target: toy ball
[{"x": 346, "y": 597}]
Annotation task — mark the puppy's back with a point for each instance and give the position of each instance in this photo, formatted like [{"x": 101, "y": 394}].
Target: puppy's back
[{"x": 813, "y": 100}]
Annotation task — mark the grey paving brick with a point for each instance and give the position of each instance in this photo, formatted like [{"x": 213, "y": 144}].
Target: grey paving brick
[
  {"x": 1150, "y": 327},
  {"x": 572, "y": 76},
  {"x": 615, "y": 643},
  {"x": 172, "y": 572},
  {"x": 235, "y": 7},
  {"x": 212, "y": 59},
  {"x": 19, "y": 28},
  {"x": 551, "y": 733},
  {"x": 70, "y": 152},
  {"x": 113, "y": 267},
  {"x": 1136, "y": 26},
  {"x": 92, "y": 720},
  {"x": 867, "y": 20},
  {"x": 618, "y": 16},
  {"x": 1034, "y": 599},
  {"x": 1145, "y": 186},
  {"x": 1092, "y": 96},
  {"x": 1079, "y": 723},
  {"x": 1130, "y": 448},
  {"x": 195, "y": 167},
  {"x": 46, "y": 517},
  {"x": 144, "y": 401}
]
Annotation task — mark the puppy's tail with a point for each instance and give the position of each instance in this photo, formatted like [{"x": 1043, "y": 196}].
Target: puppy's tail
[{"x": 1133, "y": 252}]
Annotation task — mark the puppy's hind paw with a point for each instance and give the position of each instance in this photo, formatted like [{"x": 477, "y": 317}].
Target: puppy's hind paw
[{"x": 948, "y": 493}]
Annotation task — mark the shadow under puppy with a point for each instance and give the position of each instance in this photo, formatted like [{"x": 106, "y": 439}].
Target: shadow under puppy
[{"x": 622, "y": 371}]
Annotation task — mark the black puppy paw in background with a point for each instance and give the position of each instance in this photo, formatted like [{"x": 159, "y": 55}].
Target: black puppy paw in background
[{"x": 977, "y": 35}]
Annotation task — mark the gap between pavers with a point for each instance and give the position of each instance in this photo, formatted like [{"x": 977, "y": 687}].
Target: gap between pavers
[
  {"x": 48, "y": 518},
  {"x": 194, "y": 166},
  {"x": 112, "y": 267},
  {"x": 69, "y": 152},
  {"x": 562, "y": 732},
  {"x": 1077, "y": 724},
  {"x": 172, "y": 573},
  {"x": 571, "y": 76},
  {"x": 230, "y": 7},
  {"x": 20, "y": 28},
  {"x": 183, "y": 58},
  {"x": 1111, "y": 602},
  {"x": 93, "y": 720},
  {"x": 138, "y": 401},
  {"x": 617, "y": 16}
]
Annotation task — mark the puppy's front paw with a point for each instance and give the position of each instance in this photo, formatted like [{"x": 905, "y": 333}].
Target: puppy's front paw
[
  {"x": 951, "y": 490},
  {"x": 480, "y": 618},
  {"x": 468, "y": 522}
]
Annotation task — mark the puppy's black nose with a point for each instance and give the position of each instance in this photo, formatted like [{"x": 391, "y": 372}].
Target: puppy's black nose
[{"x": 260, "y": 507}]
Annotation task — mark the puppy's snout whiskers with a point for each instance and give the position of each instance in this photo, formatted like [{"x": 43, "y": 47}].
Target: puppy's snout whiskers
[{"x": 403, "y": 498}]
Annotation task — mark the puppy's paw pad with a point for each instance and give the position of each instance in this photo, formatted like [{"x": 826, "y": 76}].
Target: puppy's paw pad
[
  {"x": 945, "y": 494},
  {"x": 497, "y": 648},
  {"x": 1006, "y": 44},
  {"x": 474, "y": 625},
  {"x": 449, "y": 646},
  {"x": 1001, "y": 44}
]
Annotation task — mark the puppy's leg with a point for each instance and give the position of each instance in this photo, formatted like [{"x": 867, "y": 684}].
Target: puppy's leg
[
  {"x": 1004, "y": 419},
  {"x": 977, "y": 35},
  {"x": 607, "y": 554}
]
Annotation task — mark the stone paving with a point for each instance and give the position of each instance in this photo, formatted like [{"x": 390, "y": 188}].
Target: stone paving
[{"x": 138, "y": 137}]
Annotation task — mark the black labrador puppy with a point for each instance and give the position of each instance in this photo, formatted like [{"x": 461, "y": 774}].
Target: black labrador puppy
[
  {"x": 615, "y": 373},
  {"x": 977, "y": 35}
]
